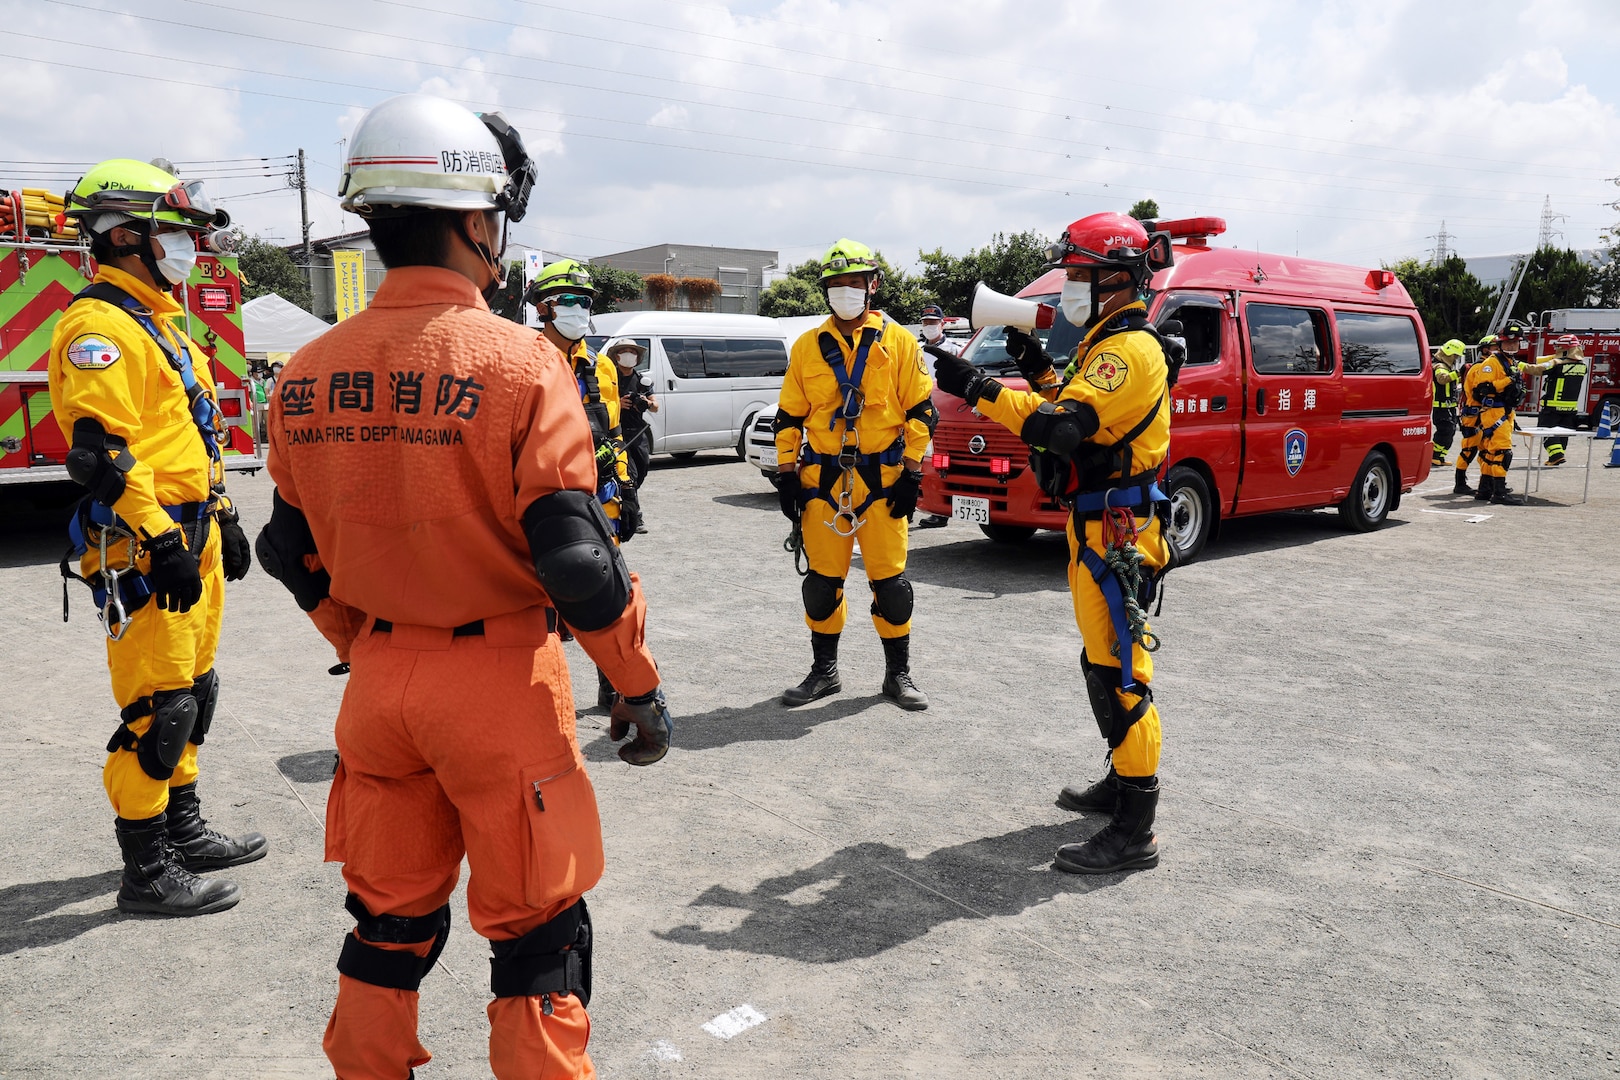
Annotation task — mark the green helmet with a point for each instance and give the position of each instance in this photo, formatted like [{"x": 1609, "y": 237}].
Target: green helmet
[
  {"x": 1453, "y": 348},
  {"x": 848, "y": 257},
  {"x": 122, "y": 191},
  {"x": 564, "y": 275},
  {"x": 1488, "y": 339}
]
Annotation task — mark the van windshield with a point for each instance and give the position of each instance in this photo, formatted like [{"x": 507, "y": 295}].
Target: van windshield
[{"x": 989, "y": 349}]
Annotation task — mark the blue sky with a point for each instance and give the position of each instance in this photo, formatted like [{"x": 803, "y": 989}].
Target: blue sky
[{"x": 1343, "y": 131}]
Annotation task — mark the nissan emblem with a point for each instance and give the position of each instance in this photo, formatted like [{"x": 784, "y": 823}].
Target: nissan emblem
[{"x": 976, "y": 444}]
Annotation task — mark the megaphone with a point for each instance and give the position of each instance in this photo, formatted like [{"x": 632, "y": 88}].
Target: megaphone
[{"x": 991, "y": 308}]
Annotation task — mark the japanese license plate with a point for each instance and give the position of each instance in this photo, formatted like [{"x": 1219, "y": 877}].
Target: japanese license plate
[
  {"x": 767, "y": 456},
  {"x": 966, "y": 508}
]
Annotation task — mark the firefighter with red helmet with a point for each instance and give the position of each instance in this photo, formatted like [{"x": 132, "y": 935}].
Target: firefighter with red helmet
[{"x": 1100, "y": 440}]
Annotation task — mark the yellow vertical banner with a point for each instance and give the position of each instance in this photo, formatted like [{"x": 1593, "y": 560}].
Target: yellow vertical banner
[{"x": 349, "y": 270}]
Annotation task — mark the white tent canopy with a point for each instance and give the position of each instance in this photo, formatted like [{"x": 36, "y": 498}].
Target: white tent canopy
[{"x": 271, "y": 324}]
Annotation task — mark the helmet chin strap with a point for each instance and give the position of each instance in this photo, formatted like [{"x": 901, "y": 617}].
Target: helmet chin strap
[{"x": 491, "y": 260}]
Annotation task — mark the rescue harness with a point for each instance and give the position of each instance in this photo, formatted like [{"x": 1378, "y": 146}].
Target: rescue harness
[{"x": 606, "y": 439}]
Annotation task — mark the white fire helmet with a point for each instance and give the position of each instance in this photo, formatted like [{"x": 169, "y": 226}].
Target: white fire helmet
[{"x": 421, "y": 151}]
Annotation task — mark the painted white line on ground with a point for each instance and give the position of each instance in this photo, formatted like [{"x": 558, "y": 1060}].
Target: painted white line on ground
[
  {"x": 664, "y": 1050},
  {"x": 735, "y": 1022},
  {"x": 1471, "y": 518}
]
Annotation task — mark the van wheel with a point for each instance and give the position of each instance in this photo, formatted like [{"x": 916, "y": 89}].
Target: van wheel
[
  {"x": 742, "y": 437},
  {"x": 1371, "y": 496},
  {"x": 1192, "y": 513},
  {"x": 1007, "y": 534},
  {"x": 684, "y": 455}
]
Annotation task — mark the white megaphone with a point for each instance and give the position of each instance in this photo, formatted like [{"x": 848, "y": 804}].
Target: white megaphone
[{"x": 991, "y": 308}]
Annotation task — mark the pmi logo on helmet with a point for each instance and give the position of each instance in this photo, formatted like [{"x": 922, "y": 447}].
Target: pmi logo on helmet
[{"x": 1117, "y": 241}]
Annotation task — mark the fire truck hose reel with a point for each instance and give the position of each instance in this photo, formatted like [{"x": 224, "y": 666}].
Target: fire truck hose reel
[
  {"x": 174, "y": 715},
  {"x": 206, "y": 691},
  {"x": 571, "y": 540},
  {"x": 892, "y": 599},
  {"x": 821, "y": 595},
  {"x": 98, "y": 461}
]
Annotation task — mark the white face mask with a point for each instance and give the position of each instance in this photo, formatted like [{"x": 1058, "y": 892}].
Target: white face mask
[
  {"x": 1076, "y": 302},
  {"x": 572, "y": 321},
  {"x": 179, "y": 256},
  {"x": 932, "y": 331},
  {"x": 846, "y": 301}
]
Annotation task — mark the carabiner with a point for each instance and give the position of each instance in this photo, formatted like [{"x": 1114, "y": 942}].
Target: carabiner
[
  {"x": 854, "y": 402},
  {"x": 845, "y": 515},
  {"x": 112, "y": 612}
]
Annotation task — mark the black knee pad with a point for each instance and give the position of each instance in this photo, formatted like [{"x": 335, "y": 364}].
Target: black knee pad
[
  {"x": 553, "y": 958},
  {"x": 206, "y": 691},
  {"x": 386, "y": 967},
  {"x": 174, "y": 715},
  {"x": 892, "y": 599},
  {"x": 821, "y": 595},
  {"x": 1103, "y": 689}
]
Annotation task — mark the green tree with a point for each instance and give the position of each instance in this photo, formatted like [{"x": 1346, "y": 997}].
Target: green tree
[
  {"x": 793, "y": 295},
  {"x": 1006, "y": 264},
  {"x": 266, "y": 268},
  {"x": 1556, "y": 278},
  {"x": 1145, "y": 210},
  {"x": 614, "y": 287},
  {"x": 900, "y": 295},
  {"x": 1451, "y": 301}
]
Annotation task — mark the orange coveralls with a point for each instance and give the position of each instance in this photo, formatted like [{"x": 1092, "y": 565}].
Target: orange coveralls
[{"x": 413, "y": 436}]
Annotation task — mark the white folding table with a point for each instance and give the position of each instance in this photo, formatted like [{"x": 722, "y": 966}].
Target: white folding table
[{"x": 1539, "y": 435}]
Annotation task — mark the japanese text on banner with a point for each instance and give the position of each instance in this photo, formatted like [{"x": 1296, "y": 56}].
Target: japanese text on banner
[{"x": 349, "y": 269}]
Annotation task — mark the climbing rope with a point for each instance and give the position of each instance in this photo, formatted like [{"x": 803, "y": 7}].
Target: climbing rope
[{"x": 1124, "y": 559}]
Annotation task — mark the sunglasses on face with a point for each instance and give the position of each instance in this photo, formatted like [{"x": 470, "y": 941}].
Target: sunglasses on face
[{"x": 572, "y": 300}]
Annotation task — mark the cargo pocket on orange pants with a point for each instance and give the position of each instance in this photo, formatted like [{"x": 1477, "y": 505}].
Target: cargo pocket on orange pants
[{"x": 564, "y": 854}]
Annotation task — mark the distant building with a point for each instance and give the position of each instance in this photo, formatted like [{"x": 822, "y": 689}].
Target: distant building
[
  {"x": 321, "y": 280},
  {"x": 1493, "y": 270},
  {"x": 741, "y": 272}
]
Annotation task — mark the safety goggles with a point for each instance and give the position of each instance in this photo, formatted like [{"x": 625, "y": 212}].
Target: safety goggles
[
  {"x": 568, "y": 299},
  {"x": 189, "y": 200}
]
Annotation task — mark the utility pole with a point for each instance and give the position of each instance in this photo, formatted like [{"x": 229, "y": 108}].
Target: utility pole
[
  {"x": 1442, "y": 245},
  {"x": 303, "y": 211},
  {"x": 1545, "y": 238}
]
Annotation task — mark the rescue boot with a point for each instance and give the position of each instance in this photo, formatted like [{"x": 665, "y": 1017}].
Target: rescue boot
[
  {"x": 154, "y": 881},
  {"x": 823, "y": 678},
  {"x": 897, "y": 684},
  {"x": 606, "y": 696},
  {"x": 1460, "y": 487},
  {"x": 1126, "y": 842},
  {"x": 1501, "y": 495},
  {"x": 1100, "y": 797},
  {"x": 1483, "y": 492},
  {"x": 196, "y": 846}
]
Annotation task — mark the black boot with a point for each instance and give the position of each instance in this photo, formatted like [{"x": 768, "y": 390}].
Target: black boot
[
  {"x": 196, "y": 846},
  {"x": 154, "y": 882},
  {"x": 1460, "y": 487},
  {"x": 897, "y": 684},
  {"x": 1125, "y": 843},
  {"x": 606, "y": 696},
  {"x": 1101, "y": 797},
  {"x": 1502, "y": 496},
  {"x": 823, "y": 678},
  {"x": 1486, "y": 485}
]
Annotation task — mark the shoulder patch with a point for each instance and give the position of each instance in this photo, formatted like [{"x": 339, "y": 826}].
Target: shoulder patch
[
  {"x": 1105, "y": 371},
  {"x": 92, "y": 352}
]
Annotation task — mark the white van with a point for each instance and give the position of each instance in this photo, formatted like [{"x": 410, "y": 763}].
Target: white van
[{"x": 712, "y": 373}]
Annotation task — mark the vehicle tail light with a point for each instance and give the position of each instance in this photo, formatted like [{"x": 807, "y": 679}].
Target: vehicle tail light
[
  {"x": 1000, "y": 466},
  {"x": 231, "y": 406},
  {"x": 941, "y": 462}
]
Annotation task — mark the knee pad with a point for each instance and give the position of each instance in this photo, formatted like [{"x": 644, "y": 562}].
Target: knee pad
[
  {"x": 1103, "y": 689},
  {"x": 553, "y": 958},
  {"x": 206, "y": 691},
  {"x": 892, "y": 599},
  {"x": 386, "y": 967},
  {"x": 821, "y": 595},
  {"x": 174, "y": 715}
]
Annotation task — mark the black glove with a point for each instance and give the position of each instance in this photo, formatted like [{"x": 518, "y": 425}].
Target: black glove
[
  {"x": 959, "y": 378},
  {"x": 1027, "y": 353},
  {"x": 282, "y": 545},
  {"x": 629, "y": 512},
  {"x": 175, "y": 583},
  {"x": 787, "y": 494},
  {"x": 903, "y": 493},
  {"x": 234, "y": 549},
  {"x": 652, "y": 722}
]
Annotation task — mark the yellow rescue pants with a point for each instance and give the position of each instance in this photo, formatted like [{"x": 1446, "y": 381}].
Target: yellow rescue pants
[
  {"x": 882, "y": 540},
  {"x": 1496, "y": 441}
]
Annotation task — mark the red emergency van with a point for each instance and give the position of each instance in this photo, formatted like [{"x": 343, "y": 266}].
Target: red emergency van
[{"x": 1306, "y": 385}]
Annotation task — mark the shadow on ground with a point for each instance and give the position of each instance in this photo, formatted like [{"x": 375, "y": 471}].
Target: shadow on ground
[
  {"x": 1277, "y": 532},
  {"x": 979, "y": 565},
  {"x": 753, "y": 500},
  {"x": 314, "y": 767},
  {"x": 868, "y": 898},
  {"x": 25, "y": 922},
  {"x": 33, "y": 523},
  {"x": 764, "y": 721}
]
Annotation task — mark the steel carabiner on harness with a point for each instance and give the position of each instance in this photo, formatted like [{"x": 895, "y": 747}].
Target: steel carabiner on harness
[
  {"x": 854, "y": 401},
  {"x": 844, "y": 509},
  {"x": 112, "y": 609}
]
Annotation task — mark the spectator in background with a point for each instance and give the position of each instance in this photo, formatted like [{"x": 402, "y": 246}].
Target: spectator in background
[{"x": 933, "y": 331}]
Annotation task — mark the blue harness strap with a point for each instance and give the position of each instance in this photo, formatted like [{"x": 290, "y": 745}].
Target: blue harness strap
[
  {"x": 204, "y": 412},
  {"x": 132, "y": 585},
  {"x": 1137, "y": 495},
  {"x": 1108, "y": 582},
  {"x": 849, "y": 379}
]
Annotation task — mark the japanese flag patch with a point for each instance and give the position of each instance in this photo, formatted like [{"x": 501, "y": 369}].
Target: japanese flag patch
[
  {"x": 92, "y": 353},
  {"x": 1106, "y": 372}
]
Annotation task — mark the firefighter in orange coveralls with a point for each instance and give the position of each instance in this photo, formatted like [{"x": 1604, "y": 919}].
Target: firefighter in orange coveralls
[
  {"x": 157, "y": 534},
  {"x": 1100, "y": 441},
  {"x": 435, "y": 513},
  {"x": 854, "y": 421}
]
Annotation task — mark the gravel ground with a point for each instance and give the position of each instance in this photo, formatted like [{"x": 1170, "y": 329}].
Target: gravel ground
[{"x": 1387, "y": 824}]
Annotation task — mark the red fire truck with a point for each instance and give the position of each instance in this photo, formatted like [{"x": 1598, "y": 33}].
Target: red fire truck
[
  {"x": 1599, "y": 333},
  {"x": 1306, "y": 385},
  {"x": 40, "y": 271}
]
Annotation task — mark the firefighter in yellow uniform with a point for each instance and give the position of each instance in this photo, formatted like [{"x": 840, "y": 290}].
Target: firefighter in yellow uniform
[
  {"x": 1561, "y": 393},
  {"x": 563, "y": 295},
  {"x": 1468, "y": 416},
  {"x": 1444, "y": 416},
  {"x": 157, "y": 535},
  {"x": 852, "y": 426},
  {"x": 1100, "y": 441},
  {"x": 1495, "y": 387}
]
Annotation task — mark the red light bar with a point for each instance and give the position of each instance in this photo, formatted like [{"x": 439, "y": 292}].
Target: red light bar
[
  {"x": 1195, "y": 231},
  {"x": 1380, "y": 279},
  {"x": 941, "y": 462}
]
